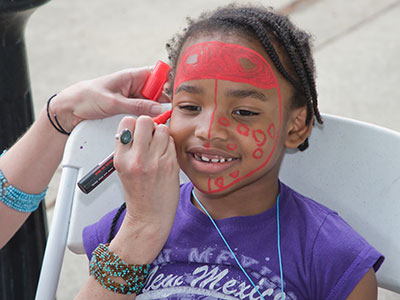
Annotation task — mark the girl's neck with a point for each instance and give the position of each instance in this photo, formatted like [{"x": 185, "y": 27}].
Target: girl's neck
[{"x": 249, "y": 200}]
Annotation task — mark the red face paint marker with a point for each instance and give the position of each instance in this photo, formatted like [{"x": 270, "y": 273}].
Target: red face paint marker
[
  {"x": 151, "y": 90},
  {"x": 154, "y": 85}
]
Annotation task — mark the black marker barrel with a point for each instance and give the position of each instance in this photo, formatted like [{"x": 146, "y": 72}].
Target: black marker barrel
[{"x": 97, "y": 175}]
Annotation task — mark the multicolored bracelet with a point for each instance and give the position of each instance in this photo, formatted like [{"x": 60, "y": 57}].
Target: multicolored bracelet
[
  {"x": 105, "y": 265},
  {"x": 17, "y": 199}
]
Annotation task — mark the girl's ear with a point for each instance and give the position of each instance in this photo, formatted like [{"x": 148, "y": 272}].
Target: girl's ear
[{"x": 298, "y": 130}]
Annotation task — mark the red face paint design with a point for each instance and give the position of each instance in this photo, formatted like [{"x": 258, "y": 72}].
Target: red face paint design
[
  {"x": 224, "y": 121},
  {"x": 235, "y": 63},
  {"x": 259, "y": 137},
  {"x": 231, "y": 147},
  {"x": 243, "y": 129},
  {"x": 221, "y": 61}
]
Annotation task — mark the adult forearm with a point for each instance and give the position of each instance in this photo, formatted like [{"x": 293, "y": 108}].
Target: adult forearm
[
  {"x": 31, "y": 162},
  {"x": 29, "y": 166}
]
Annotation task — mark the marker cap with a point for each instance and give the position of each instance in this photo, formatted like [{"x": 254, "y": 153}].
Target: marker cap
[{"x": 155, "y": 83}]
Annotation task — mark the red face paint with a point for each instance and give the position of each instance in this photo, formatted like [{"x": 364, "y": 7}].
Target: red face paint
[
  {"x": 235, "y": 63},
  {"x": 224, "y": 121},
  {"x": 259, "y": 137},
  {"x": 243, "y": 129},
  {"x": 221, "y": 61},
  {"x": 231, "y": 147}
]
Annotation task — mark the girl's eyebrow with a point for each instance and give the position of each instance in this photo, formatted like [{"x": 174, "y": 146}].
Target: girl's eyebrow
[
  {"x": 239, "y": 93},
  {"x": 189, "y": 89}
]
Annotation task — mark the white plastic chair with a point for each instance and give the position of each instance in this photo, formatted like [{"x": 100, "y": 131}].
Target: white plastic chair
[{"x": 351, "y": 167}]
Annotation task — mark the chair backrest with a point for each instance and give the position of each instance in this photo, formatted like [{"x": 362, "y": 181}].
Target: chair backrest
[
  {"x": 351, "y": 167},
  {"x": 354, "y": 168}
]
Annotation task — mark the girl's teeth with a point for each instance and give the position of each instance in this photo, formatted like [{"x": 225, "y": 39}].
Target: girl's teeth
[
  {"x": 213, "y": 160},
  {"x": 205, "y": 159}
]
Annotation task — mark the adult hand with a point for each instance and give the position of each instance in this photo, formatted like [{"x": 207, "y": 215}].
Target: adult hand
[
  {"x": 103, "y": 97},
  {"x": 149, "y": 171}
]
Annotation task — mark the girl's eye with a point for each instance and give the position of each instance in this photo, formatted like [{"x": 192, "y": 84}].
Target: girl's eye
[
  {"x": 245, "y": 113},
  {"x": 190, "y": 108}
]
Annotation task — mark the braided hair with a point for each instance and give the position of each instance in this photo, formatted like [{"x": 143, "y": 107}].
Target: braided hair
[
  {"x": 111, "y": 233},
  {"x": 278, "y": 36}
]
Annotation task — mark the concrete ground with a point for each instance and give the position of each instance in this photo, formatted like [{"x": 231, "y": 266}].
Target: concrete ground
[{"x": 356, "y": 51}]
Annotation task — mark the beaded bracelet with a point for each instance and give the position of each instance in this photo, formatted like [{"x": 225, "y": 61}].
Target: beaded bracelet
[
  {"x": 106, "y": 264},
  {"x": 17, "y": 199}
]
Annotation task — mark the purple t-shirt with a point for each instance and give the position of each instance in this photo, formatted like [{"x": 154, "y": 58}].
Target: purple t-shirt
[{"x": 322, "y": 256}]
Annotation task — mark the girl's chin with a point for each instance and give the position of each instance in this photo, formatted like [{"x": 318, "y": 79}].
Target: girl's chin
[{"x": 208, "y": 186}]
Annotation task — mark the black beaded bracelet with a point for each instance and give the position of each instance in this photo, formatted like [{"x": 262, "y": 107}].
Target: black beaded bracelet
[{"x": 59, "y": 128}]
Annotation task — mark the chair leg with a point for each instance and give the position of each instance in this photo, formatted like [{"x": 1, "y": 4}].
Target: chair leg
[{"x": 56, "y": 243}]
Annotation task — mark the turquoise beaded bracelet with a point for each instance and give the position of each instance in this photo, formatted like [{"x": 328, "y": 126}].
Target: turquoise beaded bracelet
[
  {"x": 105, "y": 265},
  {"x": 17, "y": 199}
]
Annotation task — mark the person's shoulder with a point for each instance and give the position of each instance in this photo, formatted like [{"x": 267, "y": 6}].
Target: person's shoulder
[
  {"x": 304, "y": 206},
  {"x": 337, "y": 255},
  {"x": 325, "y": 221}
]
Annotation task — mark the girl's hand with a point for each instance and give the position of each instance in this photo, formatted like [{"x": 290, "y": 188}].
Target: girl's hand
[
  {"x": 105, "y": 96},
  {"x": 149, "y": 171}
]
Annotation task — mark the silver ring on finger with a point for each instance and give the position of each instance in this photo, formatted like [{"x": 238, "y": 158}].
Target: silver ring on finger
[{"x": 125, "y": 136}]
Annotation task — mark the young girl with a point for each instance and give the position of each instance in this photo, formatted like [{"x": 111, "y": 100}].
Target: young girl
[{"x": 243, "y": 91}]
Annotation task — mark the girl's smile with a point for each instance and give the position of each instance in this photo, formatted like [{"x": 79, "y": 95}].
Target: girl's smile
[{"x": 211, "y": 161}]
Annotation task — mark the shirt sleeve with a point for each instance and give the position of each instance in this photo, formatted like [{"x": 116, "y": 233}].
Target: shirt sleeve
[
  {"x": 99, "y": 232},
  {"x": 341, "y": 258}
]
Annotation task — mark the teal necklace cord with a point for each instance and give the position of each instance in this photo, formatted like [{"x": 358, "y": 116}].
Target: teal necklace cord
[{"x": 233, "y": 254}]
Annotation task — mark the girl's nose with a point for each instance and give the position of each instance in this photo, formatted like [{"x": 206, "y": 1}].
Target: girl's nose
[{"x": 212, "y": 125}]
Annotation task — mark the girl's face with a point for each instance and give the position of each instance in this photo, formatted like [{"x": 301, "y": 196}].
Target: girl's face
[{"x": 229, "y": 107}]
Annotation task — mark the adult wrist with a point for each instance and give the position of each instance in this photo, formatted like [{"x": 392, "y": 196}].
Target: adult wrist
[
  {"x": 114, "y": 274},
  {"x": 52, "y": 116},
  {"x": 137, "y": 242},
  {"x": 17, "y": 199}
]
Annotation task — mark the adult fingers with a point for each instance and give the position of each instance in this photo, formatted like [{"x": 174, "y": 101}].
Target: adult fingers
[
  {"x": 137, "y": 106},
  {"x": 143, "y": 135},
  {"x": 160, "y": 140}
]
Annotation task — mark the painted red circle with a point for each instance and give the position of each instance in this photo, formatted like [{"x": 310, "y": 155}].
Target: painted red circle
[
  {"x": 243, "y": 129},
  {"x": 258, "y": 153}
]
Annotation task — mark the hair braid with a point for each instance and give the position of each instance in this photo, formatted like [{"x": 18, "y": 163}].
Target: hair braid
[
  {"x": 114, "y": 221},
  {"x": 285, "y": 34},
  {"x": 309, "y": 70}
]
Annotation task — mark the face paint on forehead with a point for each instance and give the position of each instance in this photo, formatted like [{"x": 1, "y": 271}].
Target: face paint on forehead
[
  {"x": 235, "y": 63},
  {"x": 217, "y": 60}
]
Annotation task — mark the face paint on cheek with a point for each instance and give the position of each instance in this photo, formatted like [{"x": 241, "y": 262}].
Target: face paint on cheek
[
  {"x": 259, "y": 137},
  {"x": 271, "y": 130},
  {"x": 231, "y": 147},
  {"x": 243, "y": 129},
  {"x": 230, "y": 62},
  {"x": 224, "y": 121},
  {"x": 258, "y": 153}
]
